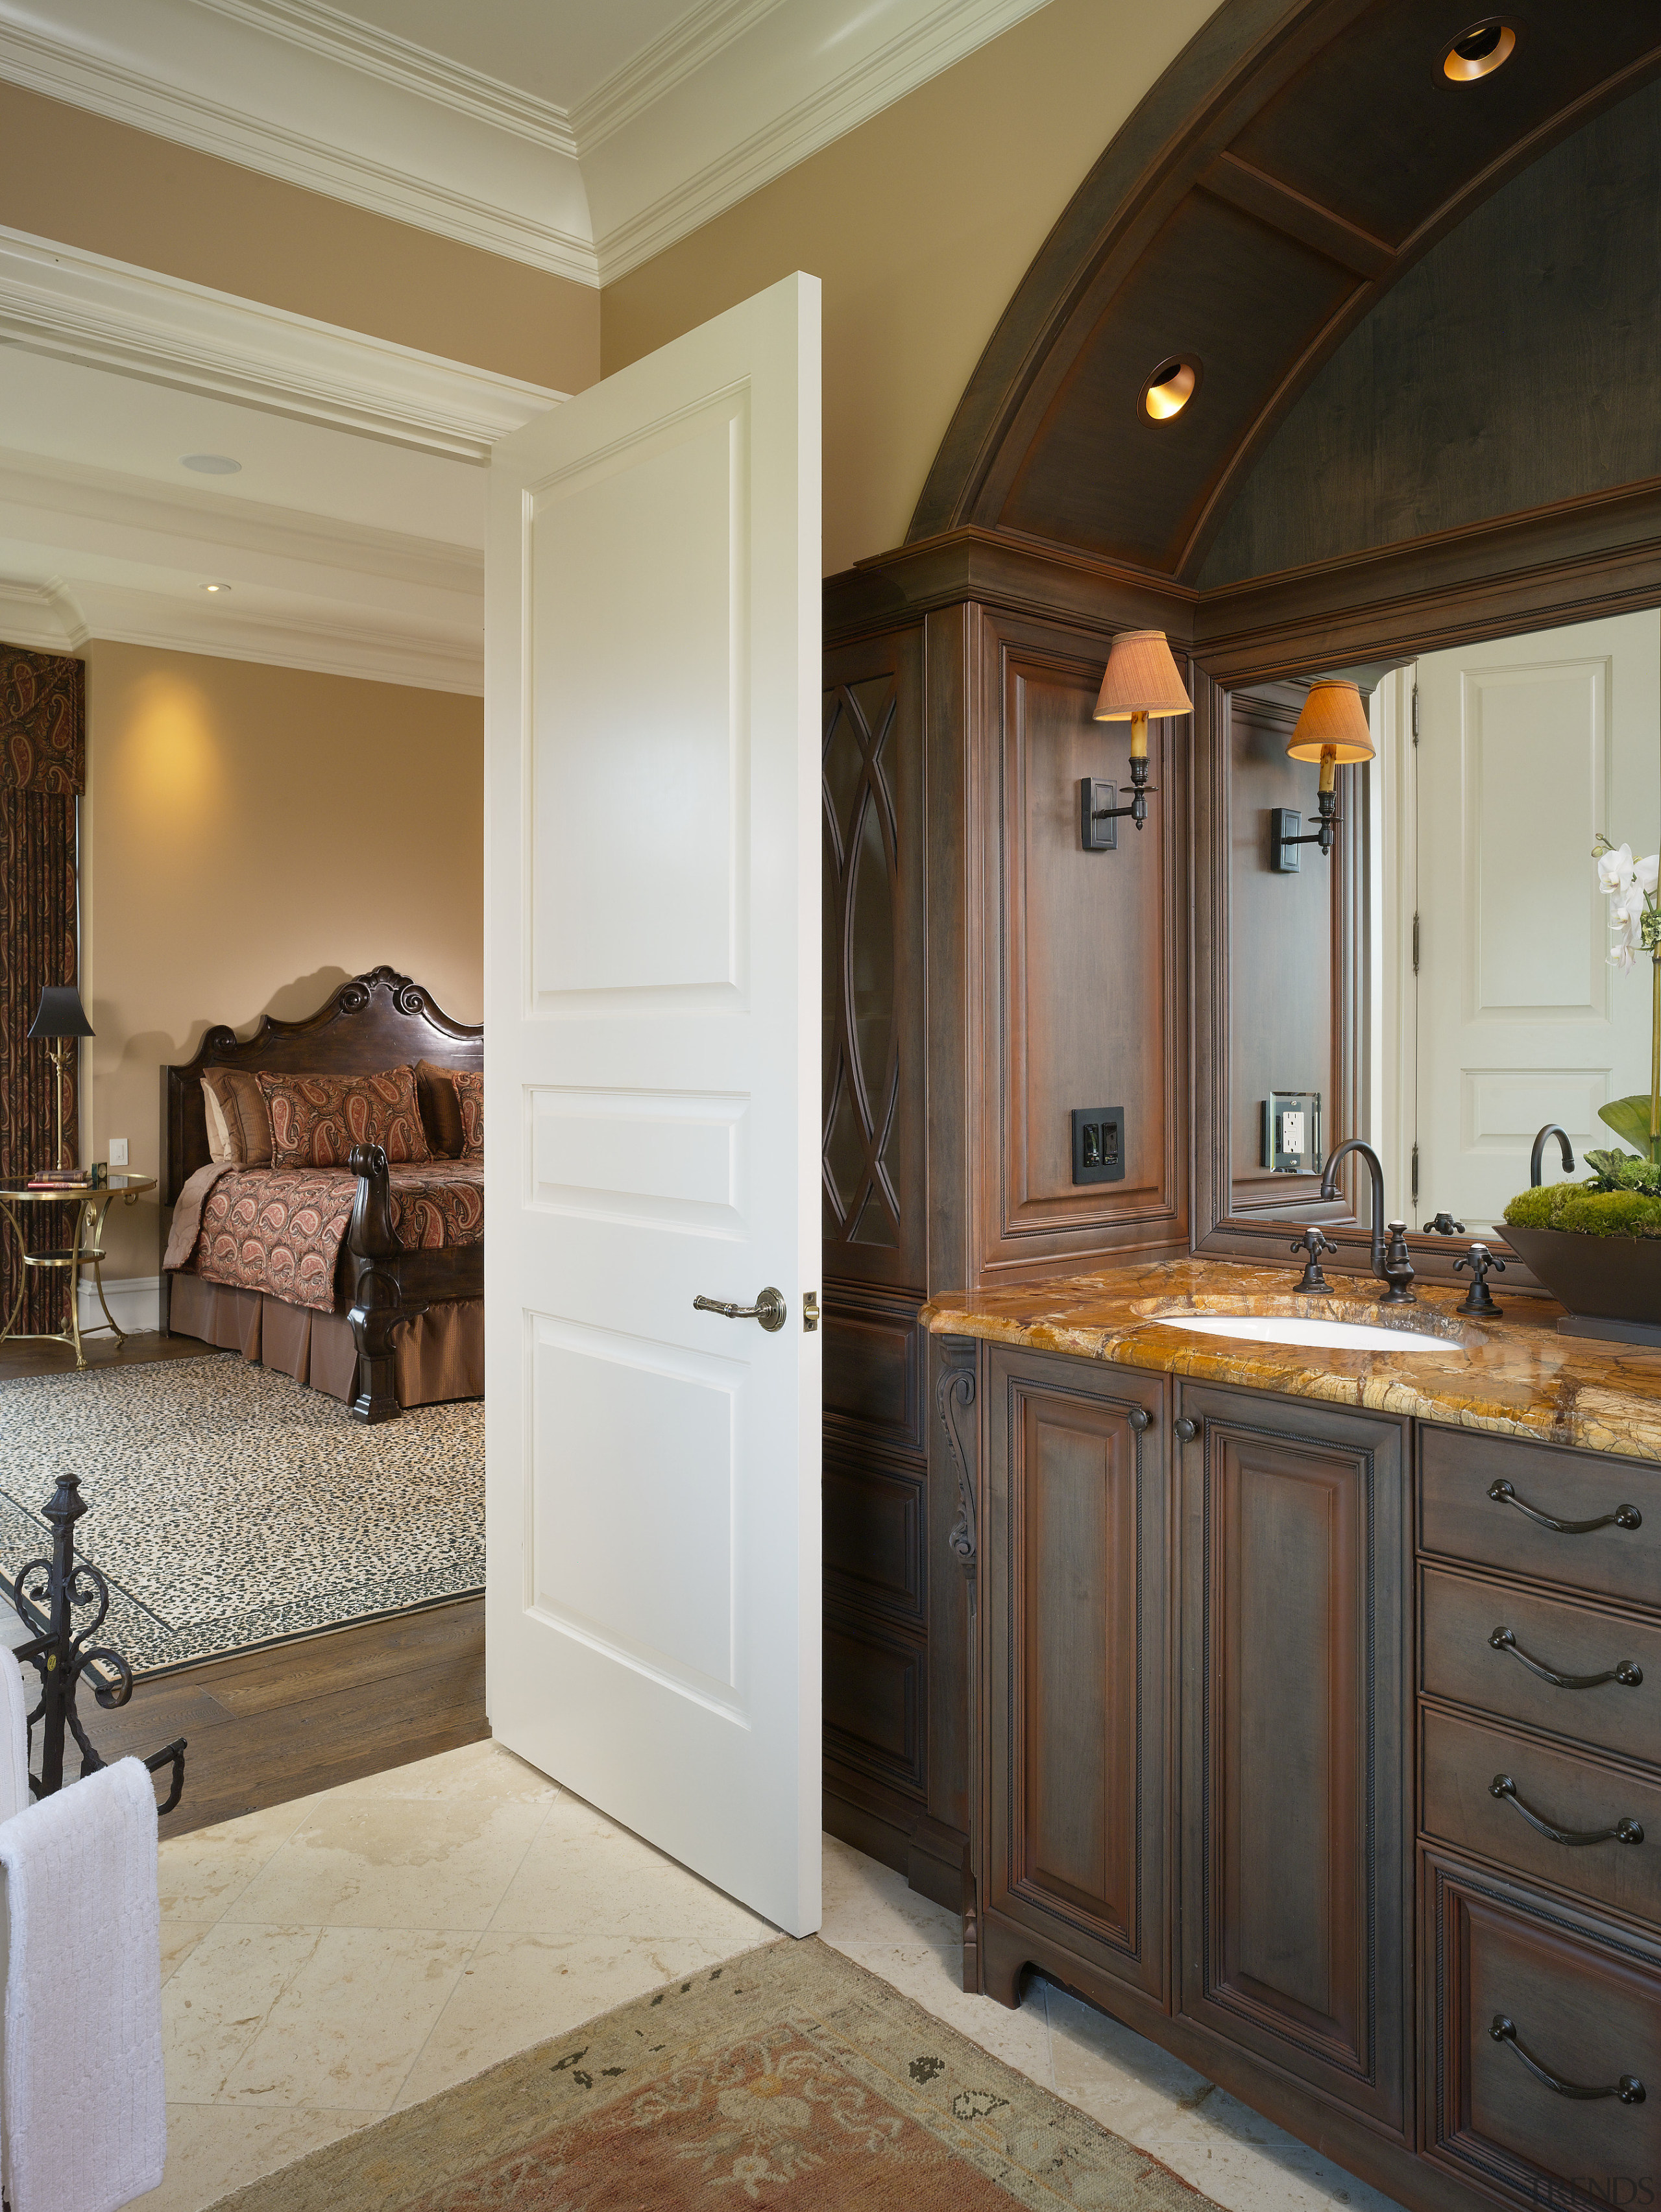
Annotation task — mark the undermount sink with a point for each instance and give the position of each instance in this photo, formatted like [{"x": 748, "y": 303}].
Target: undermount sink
[{"x": 1333, "y": 1332}]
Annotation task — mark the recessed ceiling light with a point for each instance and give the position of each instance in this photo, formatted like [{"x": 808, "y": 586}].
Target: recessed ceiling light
[
  {"x": 212, "y": 464},
  {"x": 1170, "y": 388},
  {"x": 1479, "y": 50},
  {"x": 216, "y": 587}
]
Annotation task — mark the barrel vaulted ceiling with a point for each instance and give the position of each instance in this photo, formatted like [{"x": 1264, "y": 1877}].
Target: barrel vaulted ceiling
[{"x": 1289, "y": 168}]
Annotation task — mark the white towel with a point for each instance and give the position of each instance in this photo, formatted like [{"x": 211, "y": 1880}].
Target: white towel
[
  {"x": 82, "y": 2107},
  {"x": 13, "y": 1737}
]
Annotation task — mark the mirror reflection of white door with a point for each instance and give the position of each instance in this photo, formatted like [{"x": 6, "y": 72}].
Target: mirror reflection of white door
[
  {"x": 1528, "y": 748},
  {"x": 652, "y": 1048}
]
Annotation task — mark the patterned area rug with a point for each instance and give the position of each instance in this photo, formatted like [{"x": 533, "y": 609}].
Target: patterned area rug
[
  {"x": 787, "y": 2078},
  {"x": 230, "y": 1507}
]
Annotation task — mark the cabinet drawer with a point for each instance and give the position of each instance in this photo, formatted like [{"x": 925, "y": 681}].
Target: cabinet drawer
[
  {"x": 1457, "y": 1516},
  {"x": 1509, "y": 1975},
  {"x": 1459, "y": 1619},
  {"x": 1564, "y": 1789}
]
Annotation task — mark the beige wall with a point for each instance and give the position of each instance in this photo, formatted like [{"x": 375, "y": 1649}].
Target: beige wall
[
  {"x": 69, "y": 175},
  {"x": 252, "y": 836},
  {"x": 920, "y": 223}
]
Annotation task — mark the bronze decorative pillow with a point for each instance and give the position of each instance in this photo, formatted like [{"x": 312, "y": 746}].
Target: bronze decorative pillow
[
  {"x": 248, "y": 1118},
  {"x": 470, "y": 1098},
  {"x": 440, "y": 1114},
  {"x": 317, "y": 1119}
]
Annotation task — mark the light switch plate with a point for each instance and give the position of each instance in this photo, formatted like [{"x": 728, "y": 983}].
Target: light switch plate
[
  {"x": 118, "y": 1151},
  {"x": 1098, "y": 1143}
]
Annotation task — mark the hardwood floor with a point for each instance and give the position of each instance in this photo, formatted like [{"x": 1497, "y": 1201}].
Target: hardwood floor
[{"x": 266, "y": 1726}]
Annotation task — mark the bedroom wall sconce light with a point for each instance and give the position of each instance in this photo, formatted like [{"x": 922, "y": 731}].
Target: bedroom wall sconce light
[
  {"x": 1332, "y": 727},
  {"x": 1141, "y": 680},
  {"x": 60, "y": 1017}
]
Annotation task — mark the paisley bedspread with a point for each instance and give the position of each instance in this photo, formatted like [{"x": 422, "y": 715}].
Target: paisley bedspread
[{"x": 280, "y": 1229}]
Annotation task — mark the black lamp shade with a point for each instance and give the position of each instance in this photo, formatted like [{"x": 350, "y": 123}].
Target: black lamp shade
[{"x": 60, "y": 1014}]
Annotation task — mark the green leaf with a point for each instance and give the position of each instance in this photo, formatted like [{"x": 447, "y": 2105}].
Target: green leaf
[{"x": 1630, "y": 1118}]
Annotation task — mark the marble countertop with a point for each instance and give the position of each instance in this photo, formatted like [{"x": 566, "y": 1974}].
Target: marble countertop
[{"x": 1515, "y": 1376}]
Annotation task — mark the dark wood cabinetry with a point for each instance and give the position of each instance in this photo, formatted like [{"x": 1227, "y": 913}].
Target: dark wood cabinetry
[
  {"x": 1077, "y": 1546},
  {"x": 1295, "y": 1700}
]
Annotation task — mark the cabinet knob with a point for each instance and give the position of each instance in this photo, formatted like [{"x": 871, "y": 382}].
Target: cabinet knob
[
  {"x": 1187, "y": 1430},
  {"x": 1140, "y": 1418}
]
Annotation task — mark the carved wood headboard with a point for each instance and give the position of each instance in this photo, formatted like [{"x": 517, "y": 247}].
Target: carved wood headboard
[{"x": 375, "y": 1021}]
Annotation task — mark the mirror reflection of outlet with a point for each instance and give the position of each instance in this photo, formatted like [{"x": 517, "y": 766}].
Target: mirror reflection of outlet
[{"x": 118, "y": 1151}]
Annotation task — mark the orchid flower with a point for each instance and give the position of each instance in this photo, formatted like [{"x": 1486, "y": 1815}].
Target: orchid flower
[{"x": 1630, "y": 886}]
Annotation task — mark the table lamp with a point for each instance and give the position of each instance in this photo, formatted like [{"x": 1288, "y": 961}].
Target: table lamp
[{"x": 60, "y": 1017}]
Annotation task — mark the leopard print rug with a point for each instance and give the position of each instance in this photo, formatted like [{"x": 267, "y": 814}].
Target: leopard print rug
[{"x": 230, "y": 1507}]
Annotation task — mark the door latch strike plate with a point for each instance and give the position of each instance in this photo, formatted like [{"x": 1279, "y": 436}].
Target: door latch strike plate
[{"x": 810, "y": 1312}]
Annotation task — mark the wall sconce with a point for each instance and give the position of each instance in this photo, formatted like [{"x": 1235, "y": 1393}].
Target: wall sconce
[
  {"x": 1141, "y": 680},
  {"x": 1332, "y": 727}
]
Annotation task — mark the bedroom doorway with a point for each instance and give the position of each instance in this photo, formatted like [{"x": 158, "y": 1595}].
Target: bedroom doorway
[{"x": 653, "y": 990}]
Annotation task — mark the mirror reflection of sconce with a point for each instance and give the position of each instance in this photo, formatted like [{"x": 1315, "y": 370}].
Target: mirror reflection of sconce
[
  {"x": 1332, "y": 728},
  {"x": 1141, "y": 680}
]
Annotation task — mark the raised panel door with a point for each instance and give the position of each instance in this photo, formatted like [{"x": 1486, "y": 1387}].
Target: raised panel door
[
  {"x": 1077, "y": 1556},
  {"x": 1296, "y": 1801}
]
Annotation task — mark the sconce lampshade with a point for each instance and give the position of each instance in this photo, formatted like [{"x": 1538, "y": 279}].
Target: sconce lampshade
[
  {"x": 60, "y": 1013},
  {"x": 1334, "y": 721},
  {"x": 1140, "y": 679}
]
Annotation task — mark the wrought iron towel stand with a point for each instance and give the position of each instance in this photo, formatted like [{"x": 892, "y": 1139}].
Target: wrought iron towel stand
[{"x": 62, "y": 1655}]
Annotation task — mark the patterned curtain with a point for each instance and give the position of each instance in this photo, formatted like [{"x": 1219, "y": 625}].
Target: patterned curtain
[{"x": 42, "y": 773}]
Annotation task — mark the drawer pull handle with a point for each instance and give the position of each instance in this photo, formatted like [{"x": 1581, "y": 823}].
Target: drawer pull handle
[
  {"x": 1623, "y": 1831},
  {"x": 1185, "y": 1429},
  {"x": 1626, "y": 1673},
  {"x": 1624, "y": 1516},
  {"x": 1629, "y": 2089}
]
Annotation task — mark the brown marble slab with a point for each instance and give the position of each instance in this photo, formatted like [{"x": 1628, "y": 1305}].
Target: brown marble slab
[{"x": 1515, "y": 1376}]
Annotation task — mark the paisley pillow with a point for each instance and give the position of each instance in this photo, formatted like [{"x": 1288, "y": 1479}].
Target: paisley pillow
[
  {"x": 317, "y": 1119},
  {"x": 470, "y": 1097}
]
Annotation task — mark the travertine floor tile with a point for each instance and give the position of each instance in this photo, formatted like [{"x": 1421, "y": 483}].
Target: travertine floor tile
[
  {"x": 393, "y": 1862},
  {"x": 345, "y": 2028},
  {"x": 179, "y": 1939},
  {"x": 475, "y": 1771},
  {"x": 521, "y": 1990},
  {"x": 219, "y": 1999},
  {"x": 204, "y": 1872},
  {"x": 582, "y": 1877},
  {"x": 212, "y": 2149}
]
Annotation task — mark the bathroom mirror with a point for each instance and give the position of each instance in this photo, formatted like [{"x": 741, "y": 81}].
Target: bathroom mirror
[{"x": 1442, "y": 982}]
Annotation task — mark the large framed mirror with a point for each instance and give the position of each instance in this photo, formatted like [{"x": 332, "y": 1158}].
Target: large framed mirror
[{"x": 1441, "y": 984}]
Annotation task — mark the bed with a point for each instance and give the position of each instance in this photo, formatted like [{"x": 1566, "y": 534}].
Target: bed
[{"x": 363, "y": 1277}]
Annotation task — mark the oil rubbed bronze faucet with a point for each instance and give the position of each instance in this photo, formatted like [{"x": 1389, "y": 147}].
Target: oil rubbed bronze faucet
[
  {"x": 1389, "y": 1261},
  {"x": 1552, "y": 1129}
]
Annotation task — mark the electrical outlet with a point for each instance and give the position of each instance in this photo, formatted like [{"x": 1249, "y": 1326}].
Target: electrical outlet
[
  {"x": 1291, "y": 1131},
  {"x": 118, "y": 1151},
  {"x": 1098, "y": 1143}
]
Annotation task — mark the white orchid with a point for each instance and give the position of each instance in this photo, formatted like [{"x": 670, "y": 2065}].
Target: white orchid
[{"x": 1630, "y": 886}]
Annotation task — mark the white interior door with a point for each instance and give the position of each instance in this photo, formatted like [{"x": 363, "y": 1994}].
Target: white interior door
[
  {"x": 653, "y": 1045},
  {"x": 1528, "y": 748}
]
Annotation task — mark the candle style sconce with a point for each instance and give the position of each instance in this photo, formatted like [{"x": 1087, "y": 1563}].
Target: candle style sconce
[
  {"x": 1141, "y": 680},
  {"x": 1332, "y": 729}
]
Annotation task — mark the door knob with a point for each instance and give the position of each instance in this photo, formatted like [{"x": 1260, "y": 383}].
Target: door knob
[{"x": 768, "y": 1308}]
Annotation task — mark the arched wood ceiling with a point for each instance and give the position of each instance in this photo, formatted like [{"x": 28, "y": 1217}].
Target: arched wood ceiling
[{"x": 1291, "y": 164}]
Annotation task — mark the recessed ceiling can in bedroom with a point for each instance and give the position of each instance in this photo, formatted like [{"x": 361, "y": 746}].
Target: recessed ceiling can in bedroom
[
  {"x": 211, "y": 465},
  {"x": 1169, "y": 389},
  {"x": 1479, "y": 52}
]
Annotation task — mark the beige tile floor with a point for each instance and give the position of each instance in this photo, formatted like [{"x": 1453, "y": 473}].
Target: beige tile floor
[{"x": 332, "y": 1960}]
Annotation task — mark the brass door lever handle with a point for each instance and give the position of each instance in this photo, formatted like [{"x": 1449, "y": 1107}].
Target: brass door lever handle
[{"x": 768, "y": 1308}]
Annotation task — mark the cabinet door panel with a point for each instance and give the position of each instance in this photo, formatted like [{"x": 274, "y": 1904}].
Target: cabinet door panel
[
  {"x": 1078, "y": 1566},
  {"x": 1296, "y": 1801}
]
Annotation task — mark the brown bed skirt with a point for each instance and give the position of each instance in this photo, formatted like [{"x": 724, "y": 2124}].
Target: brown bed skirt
[{"x": 441, "y": 1353}]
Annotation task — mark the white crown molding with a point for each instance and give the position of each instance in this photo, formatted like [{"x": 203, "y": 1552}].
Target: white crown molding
[
  {"x": 383, "y": 55},
  {"x": 79, "y": 306},
  {"x": 694, "y": 124},
  {"x": 949, "y": 32},
  {"x": 42, "y": 617},
  {"x": 412, "y": 191},
  {"x": 684, "y": 49},
  {"x": 371, "y": 652}
]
